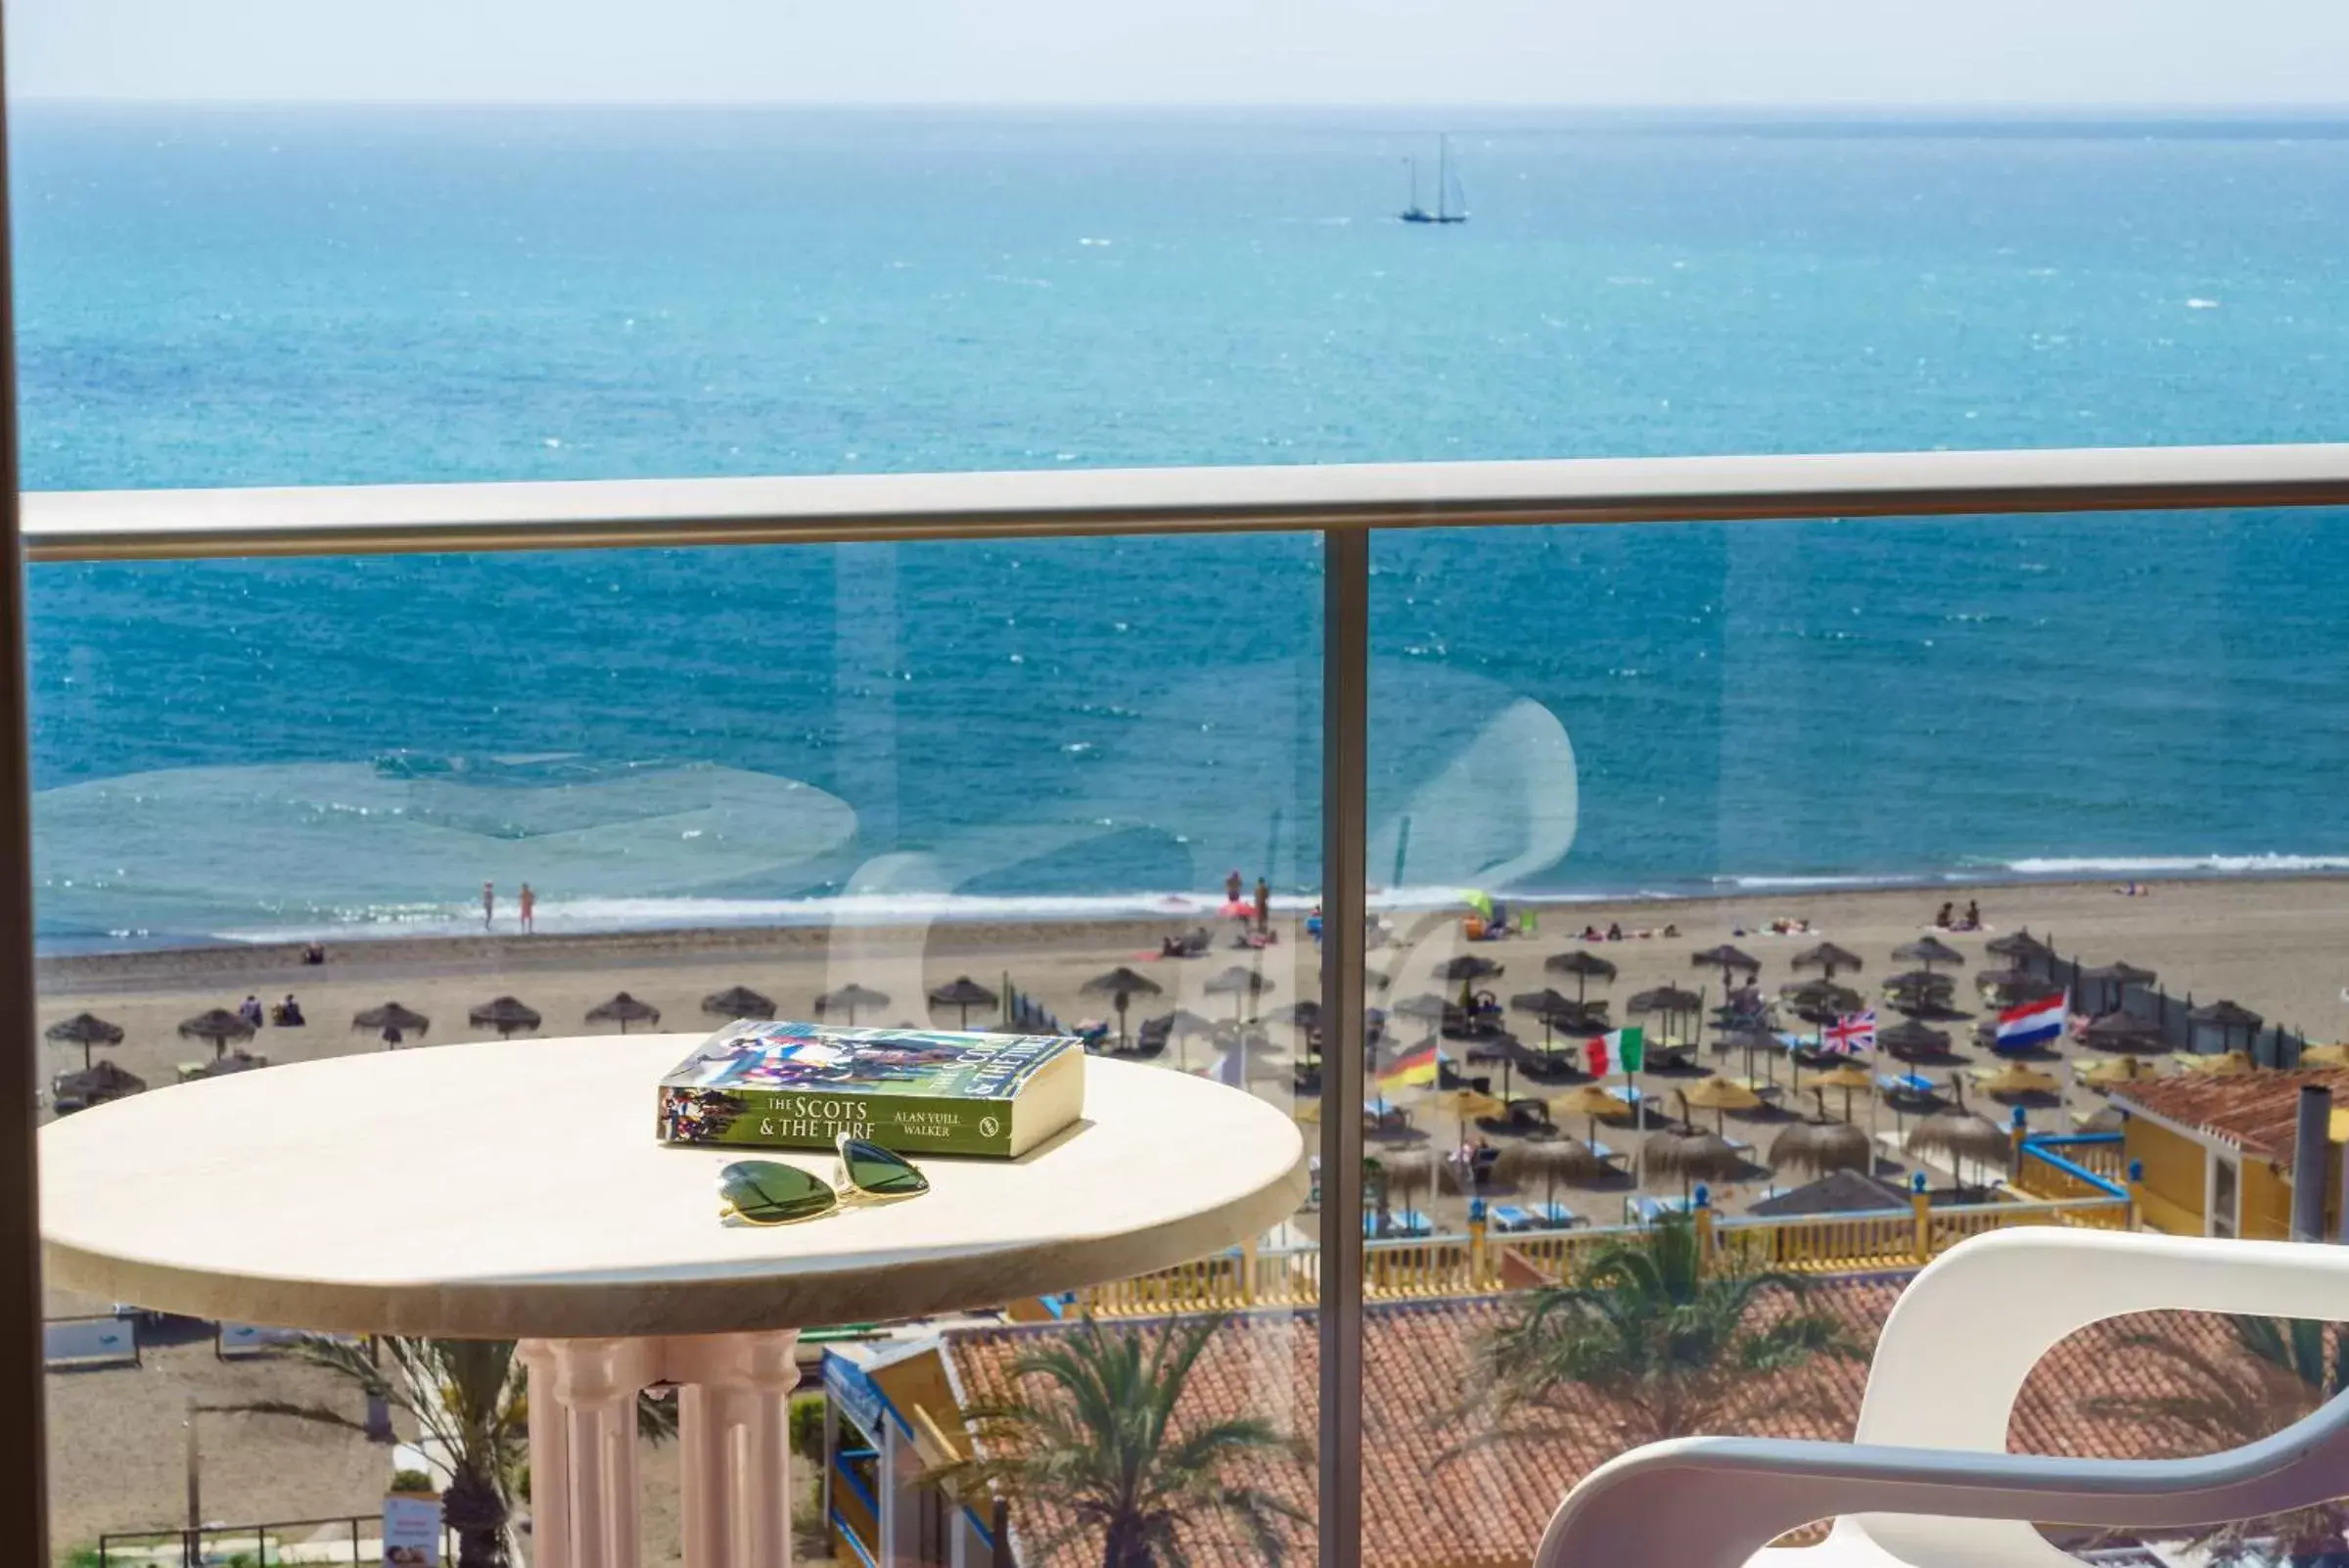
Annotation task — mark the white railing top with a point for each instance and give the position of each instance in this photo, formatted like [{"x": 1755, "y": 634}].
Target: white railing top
[{"x": 134, "y": 525}]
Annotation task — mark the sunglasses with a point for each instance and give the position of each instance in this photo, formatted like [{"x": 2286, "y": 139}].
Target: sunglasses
[{"x": 769, "y": 1192}]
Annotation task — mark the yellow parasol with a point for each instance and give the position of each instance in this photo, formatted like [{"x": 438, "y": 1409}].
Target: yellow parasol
[
  {"x": 2226, "y": 1064},
  {"x": 1464, "y": 1103},
  {"x": 1591, "y": 1101},
  {"x": 1721, "y": 1096},
  {"x": 2326, "y": 1056},
  {"x": 2014, "y": 1078},
  {"x": 1847, "y": 1076},
  {"x": 1308, "y": 1115}
]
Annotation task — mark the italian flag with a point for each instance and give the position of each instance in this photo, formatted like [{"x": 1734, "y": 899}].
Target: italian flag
[
  {"x": 1620, "y": 1050},
  {"x": 1412, "y": 1069}
]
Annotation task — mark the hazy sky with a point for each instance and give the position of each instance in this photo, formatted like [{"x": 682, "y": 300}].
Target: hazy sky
[{"x": 1567, "y": 52}]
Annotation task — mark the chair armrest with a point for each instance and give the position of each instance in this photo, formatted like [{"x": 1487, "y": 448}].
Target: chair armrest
[{"x": 1638, "y": 1510}]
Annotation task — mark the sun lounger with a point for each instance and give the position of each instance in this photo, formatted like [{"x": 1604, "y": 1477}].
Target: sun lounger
[
  {"x": 1412, "y": 1222},
  {"x": 1508, "y": 1216},
  {"x": 90, "y": 1342},
  {"x": 1555, "y": 1217},
  {"x": 1646, "y": 1209},
  {"x": 1605, "y": 1151}
]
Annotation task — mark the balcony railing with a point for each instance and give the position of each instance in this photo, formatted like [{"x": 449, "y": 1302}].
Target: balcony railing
[{"x": 1345, "y": 504}]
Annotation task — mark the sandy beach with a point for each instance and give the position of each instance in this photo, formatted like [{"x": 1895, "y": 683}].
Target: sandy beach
[{"x": 2280, "y": 947}]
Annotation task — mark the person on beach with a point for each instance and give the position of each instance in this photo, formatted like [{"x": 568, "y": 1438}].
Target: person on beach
[
  {"x": 249, "y": 1009},
  {"x": 1231, "y": 887},
  {"x": 1973, "y": 916},
  {"x": 530, "y": 909},
  {"x": 488, "y": 903},
  {"x": 1943, "y": 918},
  {"x": 1264, "y": 905}
]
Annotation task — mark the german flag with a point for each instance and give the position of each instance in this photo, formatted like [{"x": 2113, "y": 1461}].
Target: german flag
[{"x": 1417, "y": 1069}]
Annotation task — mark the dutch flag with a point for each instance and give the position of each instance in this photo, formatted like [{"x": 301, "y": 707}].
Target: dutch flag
[{"x": 2032, "y": 1023}]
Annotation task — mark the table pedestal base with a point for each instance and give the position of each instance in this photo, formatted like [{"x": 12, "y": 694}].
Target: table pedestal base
[{"x": 733, "y": 1433}]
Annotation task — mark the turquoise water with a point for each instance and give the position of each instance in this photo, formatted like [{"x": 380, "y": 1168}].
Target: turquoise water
[{"x": 247, "y": 297}]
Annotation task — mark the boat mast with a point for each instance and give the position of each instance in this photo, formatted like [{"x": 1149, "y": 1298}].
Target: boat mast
[
  {"x": 1443, "y": 174},
  {"x": 1411, "y": 163}
]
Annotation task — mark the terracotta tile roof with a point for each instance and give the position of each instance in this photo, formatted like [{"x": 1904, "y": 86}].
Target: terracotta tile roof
[
  {"x": 2257, "y": 1112},
  {"x": 1432, "y": 1498}
]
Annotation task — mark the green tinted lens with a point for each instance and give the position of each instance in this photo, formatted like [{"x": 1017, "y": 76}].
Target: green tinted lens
[
  {"x": 767, "y": 1193},
  {"x": 873, "y": 1169}
]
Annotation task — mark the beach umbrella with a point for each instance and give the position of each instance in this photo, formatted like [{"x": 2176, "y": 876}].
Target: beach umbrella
[
  {"x": 847, "y": 998},
  {"x": 94, "y": 1084},
  {"x": 1960, "y": 1134},
  {"x": 1666, "y": 1000},
  {"x": 1428, "y": 1007},
  {"x": 1924, "y": 980},
  {"x": 86, "y": 1030},
  {"x": 1551, "y": 1008},
  {"x": 1308, "y": 1115},
  {"x": 1184, "y": 1026},
  {"x": 738, "y": 1002},
  {"x": 2017, "y": 984},
  {"x": 1847, "y": 1076},
  {"x": 1592, "y": 1103},
  {"x": 2114, "y": 1070},
  {"x": 1305, "y": 1014},
  {"x": 1726, "y": 959},
  {"x": 1467, "y": 968},
  {"x": 1120, "y": 985},
  {"x": 1242, "y": 984},
  {"x": 1821, "y": 1001},
  {"x": 1402, "y": 1173},
  {"x": 963, "y": 994},
  {"x": 219, "y": 1025},
  {"x": 2119, "y": 1032},
  {"x": 2326, "y": 1056},
  {"x": 1721, "y": 1096},
  {"x": 623, "y": 1009},
  {"x": 1464, "y": 1103},
  {"x": 1553, "y": 1160},
  {"x": 2014, "y": 1080},
  {"x": 1913, "y": 1042},
  {"x": 2114, "y": 981},
  {"x": 1585, "y": 967},
  {"x": 1928, "y": 952},
  {"x": 2019, "y": 948},
  {"x": 391, "y": 1021},
  {"x": 508, "y": 1015},
  {"x": 1819, "y": 1147},
  {"x": 1827, "y": 958},
  {"x": 1690, "y": 1155}
]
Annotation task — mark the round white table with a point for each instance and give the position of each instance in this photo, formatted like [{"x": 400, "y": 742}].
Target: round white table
[{"x": 515, "y": 1190}]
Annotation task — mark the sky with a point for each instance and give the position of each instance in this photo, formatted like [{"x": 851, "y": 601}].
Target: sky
[{"x": 1576, "y": 52}]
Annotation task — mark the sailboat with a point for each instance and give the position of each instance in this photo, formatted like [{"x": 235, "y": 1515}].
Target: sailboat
[{"x": 1447, "y": 184}]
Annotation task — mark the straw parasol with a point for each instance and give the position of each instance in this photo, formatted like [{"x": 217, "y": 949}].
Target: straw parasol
[
  {"x": 237, "y": 1061},
  {"x": 2019, "y": 948},
  {"x": 1467, "y": 1104},
  {"x": 963, "y": 993},
  {"x": 1404, "y": 1172},
  {"x": 1924, "y": 980},
  {"x": 1666, "y": 1000},
  {"x": 2118, "y": 1070},
  {"x": 738, "y": 1002},
  {"x": 94, "y": 1084},
  {"x": 1592, "y": 1103},
  {"x": 1913, "y": 1042},
  {"x": 2229, "y": 1018},
  {"x": 1821, "y": 1146},
  {"x": 1184, "y": 1026},
  {"x": 1553, "y": 1160},
  {"x": 1585, "y": 967},
  {"x": 219, "y": 1025},
  {"x": 1960, "y": 1134},
  {"x": 1690, "y": 1155},
  {"x": 1242, "y": 984},
  {"x": 391, "y": 1021},
  {"x": 1551, "y": 1008},
  {"x": 1726, "y": 959},
  {"x": 623, "y": 1009},
  {"x": 847, "y": 998},
  {"x": 1721, "y": 1096},
  {"x": 2326, "y": 1056},
  {"x": 1467, "y": 966},
  {"x": 1122, "y": 985},
  {"x": 508, "y": 1015},
  {"x": 1847, "y": 1076},
  {"x": 1305, "y": 1013},
  {"x": 2014, "y": 983},
  {"x": 1821, "y": 1002},
  {"x": 86, "y": 1030},
  {"x": 2014, "y": 1080},
  {"x": 1928, "y": 952},
  {"x": 1428, "y": 1007},
  {"x": 1827, "y": 958}
]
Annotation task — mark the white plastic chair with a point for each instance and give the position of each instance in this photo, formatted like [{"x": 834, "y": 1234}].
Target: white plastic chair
[{"x": 1927, "y": 1482}]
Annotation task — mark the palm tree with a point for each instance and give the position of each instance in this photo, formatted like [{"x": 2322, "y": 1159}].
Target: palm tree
[
  {"x": 1099, "y": 1451},
  {"x": 2287, "y": 1367},
  {"x": 1675, "y": 1345},
  {"x": 468, "y": 1400}
]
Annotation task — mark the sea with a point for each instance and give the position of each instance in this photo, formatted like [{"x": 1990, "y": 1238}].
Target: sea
[{"x": 249, "y": 750}]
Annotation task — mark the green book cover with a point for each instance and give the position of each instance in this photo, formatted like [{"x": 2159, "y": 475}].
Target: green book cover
[{"x": 788, "y": 1086}]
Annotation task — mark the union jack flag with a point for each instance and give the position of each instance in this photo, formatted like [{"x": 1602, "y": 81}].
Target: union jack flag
[{"x": 1850, "y": 1035}]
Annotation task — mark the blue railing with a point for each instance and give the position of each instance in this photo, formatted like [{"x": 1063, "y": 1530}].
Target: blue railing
[{"x": 2043, "y": 1148}]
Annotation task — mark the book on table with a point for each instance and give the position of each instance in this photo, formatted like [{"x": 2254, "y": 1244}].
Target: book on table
[{"x": 788, "y": 1086}]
